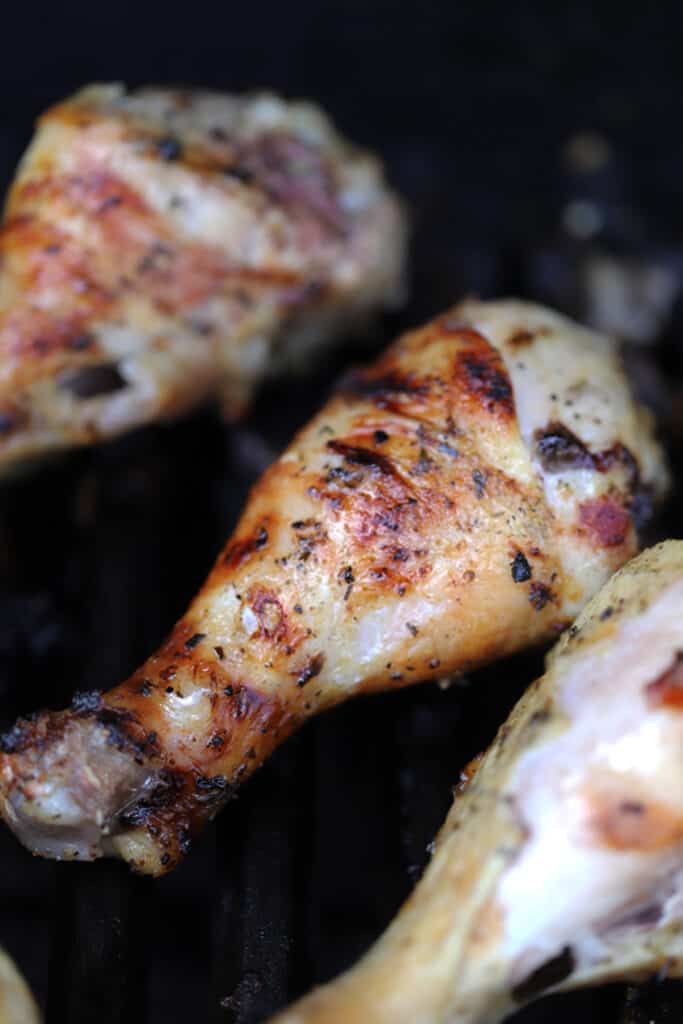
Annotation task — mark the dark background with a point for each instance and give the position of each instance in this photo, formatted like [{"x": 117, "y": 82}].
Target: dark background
[{"x": 473, "y": 107}]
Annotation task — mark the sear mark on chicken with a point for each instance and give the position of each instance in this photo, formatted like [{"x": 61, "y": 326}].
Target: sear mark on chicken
[{"x": 162, "y": 248}]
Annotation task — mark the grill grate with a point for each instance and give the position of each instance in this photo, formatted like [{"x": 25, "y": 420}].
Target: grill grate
[
  {"x": 301, "y": 873},
  {"x": 298, "y": 875}
]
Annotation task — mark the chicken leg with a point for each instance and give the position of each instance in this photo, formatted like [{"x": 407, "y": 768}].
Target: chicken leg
[
  {"x": 163, "y": 247},
  {"x": 561, "y": 861},
  {"x": 457, "y": 501}
]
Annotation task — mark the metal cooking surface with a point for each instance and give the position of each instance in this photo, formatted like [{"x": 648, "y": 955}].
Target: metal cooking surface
[{"x": 100, "y": 553}]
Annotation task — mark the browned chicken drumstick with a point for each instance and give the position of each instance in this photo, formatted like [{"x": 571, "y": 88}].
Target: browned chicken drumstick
[
  {"x": 456, "y": 501},
  {"x": 162, "y": 247},
  {"x": 561, "y": 861}
]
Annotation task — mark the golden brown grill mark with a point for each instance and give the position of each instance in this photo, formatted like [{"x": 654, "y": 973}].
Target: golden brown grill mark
[
  {"x": 385, "y": 389},
  {"x": 140, "y": 252},
  {"x": 481, "y": 377},
  {"x": 238, "y": 551},
  {"x": 357, "y": 455}
]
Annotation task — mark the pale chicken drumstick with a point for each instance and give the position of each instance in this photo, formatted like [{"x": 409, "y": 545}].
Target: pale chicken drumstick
[
  {"x": 458, "y": 500},
  {"x": 17, "y": 1005},
  {"x": 561, "y": 862},
  {"x": 162, "y": 247}
]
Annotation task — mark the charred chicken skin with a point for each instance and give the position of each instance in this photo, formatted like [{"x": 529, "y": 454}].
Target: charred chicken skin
[
  {"x": 162, "y": 247},
  {"x": 458, "y": 500},
  {"x": 561, "y": 861}
]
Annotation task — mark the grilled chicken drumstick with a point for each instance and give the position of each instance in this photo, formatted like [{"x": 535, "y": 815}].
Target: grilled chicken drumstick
[
  {"x": 163, "y": 246},
  {"x": 561, "y": 862},
  {"x": 458, "y": 500}
]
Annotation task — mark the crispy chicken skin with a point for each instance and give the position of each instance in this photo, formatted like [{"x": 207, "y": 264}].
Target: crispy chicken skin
[
  {"x": 561, "y": 861},
  {"x": 456, "y": 501},
  {"x": 162, "y": 247}
]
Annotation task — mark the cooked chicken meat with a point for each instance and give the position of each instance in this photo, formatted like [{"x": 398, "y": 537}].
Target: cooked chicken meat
[
  {"x": 162, "y": 247},
  {"x": 561, "y": 862},
  {"x": 458, "y": 500},
  {"x": 17, "y": 1005}
]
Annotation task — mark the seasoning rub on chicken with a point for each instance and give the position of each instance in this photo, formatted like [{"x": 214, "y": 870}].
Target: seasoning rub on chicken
[
  {"x": 162, "y": 247},
  {"x": 561, "y": 861},
  {"x": 456, "y": 501}
]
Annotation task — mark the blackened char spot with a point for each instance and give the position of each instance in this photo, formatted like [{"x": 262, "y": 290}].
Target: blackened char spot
[
  {"x": 195, "y": 639},
  {"x": 363, "y": 457},
  {"x": 18, "y": 738},
  {"x": 520, "y": 568},
  {"x": 164, "y": 795},
  {"x": 558, "y": 448},
  {"x": 81, "y": 342},
  {"x": 642, "y": 506},
  {"x": 169, "y": 148},
  {"x": 8, "y": 422},
  {"x": 479, "y": 479},
  {"x": 115, "y": 722},
  {"x": 240, "y": 174},
  {"x": 92, "y": 381},
  {"x": 240, "y": 550},
  {"x": 549, "y": 974},
  {"x": 539, "y": 595},
  {"x": 483, "y": 375},
  {"x": 86, "y": 701},
  {"x": 363, "y": 385},
  {"x": 245, "y": 701},
  {"x": 311, "y": 669},
  {"x": 211, "y": 783}
]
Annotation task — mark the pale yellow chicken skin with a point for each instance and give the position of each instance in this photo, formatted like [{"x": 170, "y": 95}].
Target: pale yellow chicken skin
[
  {"x": 17, "y": 1005},
  {"x": 164, "y": 247},
  {"x": 561, "y": 861},
  {"x": 457, "y": 501}
]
